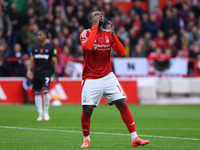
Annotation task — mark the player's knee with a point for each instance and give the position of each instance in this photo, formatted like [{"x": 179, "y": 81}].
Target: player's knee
[
  {"x": 88, "y": 110},
  {"x": 120, "y": 103}
]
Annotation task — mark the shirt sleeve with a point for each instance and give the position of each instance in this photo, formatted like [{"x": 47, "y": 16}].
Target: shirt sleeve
[
  {"x": 118, "y": 47},
  {"x": 88, "y": 42}
]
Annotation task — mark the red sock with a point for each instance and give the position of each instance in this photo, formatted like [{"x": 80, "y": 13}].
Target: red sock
[
  {"x": 127, "y": 118},
  {"x": 85, "y": 122}
]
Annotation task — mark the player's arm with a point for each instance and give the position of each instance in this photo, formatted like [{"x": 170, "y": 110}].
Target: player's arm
[
  {"x": 88, "y": 43},
  {"x": 55, "y": 68},
  {"x": 30, "y": 65},
  {"x": 117, "y": 45}
]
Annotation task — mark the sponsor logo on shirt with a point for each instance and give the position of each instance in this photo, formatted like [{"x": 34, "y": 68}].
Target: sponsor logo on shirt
[
  {"x": 101, "y": 47},
  {"x": 40, "y": 56}
]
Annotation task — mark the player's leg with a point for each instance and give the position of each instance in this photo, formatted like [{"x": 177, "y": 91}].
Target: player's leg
[
  {"x": 46, "y": 104},
  {"x": 114, "y": 94},
  {"x": 91, "y": 95},
  {"x": 38, "y": 98},
  {"x": 38, "y": 104},
  {"x": 45, "y": 87},
  {"x": 126, "y": 116},
  {"x": 129, "y": 121},
  {"x": 85, "y": 123}
]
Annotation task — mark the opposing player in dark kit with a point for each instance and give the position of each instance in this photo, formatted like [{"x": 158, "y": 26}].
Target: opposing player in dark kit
[
  {"x": 44, "y": 57},
  {"x": 98, "y": 78}
]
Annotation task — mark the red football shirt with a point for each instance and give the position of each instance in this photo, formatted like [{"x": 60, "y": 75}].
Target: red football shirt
[
  {"x": 97, "y": 61},
  {"x": 96, "y": 51}
]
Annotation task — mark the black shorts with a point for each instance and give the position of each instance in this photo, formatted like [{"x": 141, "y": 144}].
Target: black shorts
[{"x": 41, "y": 81}]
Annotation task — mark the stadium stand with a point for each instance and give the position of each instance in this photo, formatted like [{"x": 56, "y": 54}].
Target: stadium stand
[{"x": 173, "y": 26}]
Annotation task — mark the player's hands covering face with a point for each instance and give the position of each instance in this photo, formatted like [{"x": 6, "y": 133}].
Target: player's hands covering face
[
  {"x": 95, "y": 21},
  {"x": 112, "y": 28}
]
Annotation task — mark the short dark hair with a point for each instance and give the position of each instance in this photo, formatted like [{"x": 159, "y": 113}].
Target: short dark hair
[
  {"x": 90, "y": 16},
  {"x": 45, "y": 32}
]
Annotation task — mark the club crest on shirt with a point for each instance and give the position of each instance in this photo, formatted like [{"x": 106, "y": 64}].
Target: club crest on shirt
[
  {"x": 100, "y": 40},
  {"x": 107, "y": 39},
  {"x": 41, "y": 50}
]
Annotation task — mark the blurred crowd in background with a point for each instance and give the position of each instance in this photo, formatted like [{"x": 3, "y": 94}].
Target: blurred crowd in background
[{"x": 173, "y": 31}]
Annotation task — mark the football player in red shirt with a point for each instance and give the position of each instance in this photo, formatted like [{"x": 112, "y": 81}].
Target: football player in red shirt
[{"x": 98, "y": 78}]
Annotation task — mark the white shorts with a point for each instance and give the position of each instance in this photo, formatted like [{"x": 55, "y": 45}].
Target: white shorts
[{"x": 108, "y": 87}]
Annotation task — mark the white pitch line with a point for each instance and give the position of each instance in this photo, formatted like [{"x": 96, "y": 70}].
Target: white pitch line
[
  {"x": 110, "y": 128},
  {"x": 183, "y": 129},
  {"x": 120, "y": 134}
]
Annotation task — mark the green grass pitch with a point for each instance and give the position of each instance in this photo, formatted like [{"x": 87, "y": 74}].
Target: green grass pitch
[{"x": 167, "y": 128}]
